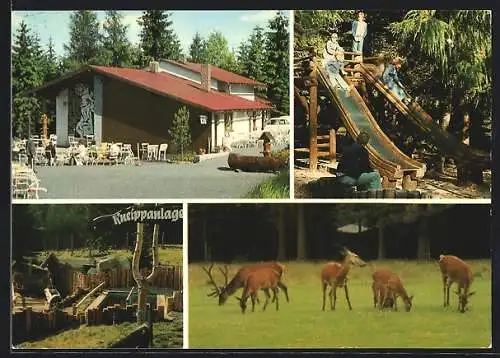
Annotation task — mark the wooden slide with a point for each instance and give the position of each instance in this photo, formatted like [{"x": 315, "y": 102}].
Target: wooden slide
[
  {"x": 445, "y": 141},
  {"x": 384, "y": 155}
]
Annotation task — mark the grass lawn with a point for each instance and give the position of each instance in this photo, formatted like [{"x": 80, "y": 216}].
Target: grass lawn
[
  {"x": 169, "y": 254},
  {"x": 302, "y": 324},
  {"x": 166, "y": 335},
  {"x": 276, "y": 187}
]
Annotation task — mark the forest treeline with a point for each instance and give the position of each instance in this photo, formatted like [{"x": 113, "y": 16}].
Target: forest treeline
[{"x": 253, "y": 232}]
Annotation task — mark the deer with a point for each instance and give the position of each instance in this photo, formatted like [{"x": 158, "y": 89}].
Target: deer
[
  {"x": 387, "y": 287},
  {"x": 334, "y": 274},
  {"x": 378, "y": 276},
  {"x": 264, "y": 278},
  {"x": 238, "y": 281},
  {"x": 454, "y": 270}
]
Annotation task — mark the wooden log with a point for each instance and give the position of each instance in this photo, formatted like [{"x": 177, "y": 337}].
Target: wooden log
[
  {"x": 388, "y": 183},
  {"x": 409, "y": 183},
  {"x": 177, "y": 301},
  {"x": 28, "y": 312},
  {"x": 389, "y": 193},
  {"x": 170, "y": 305},
  {"x": 401, "y": 194},
  {"x": 256, "y": 164},
  {"x": 333, "y": 146},
  {"x": 414, "y": 194},
  {"x": 313, "y": 121},
  {"x": 379, "y": 193},
  {"x": 371, "y": 194},
  {"x": 100, "y": 286}
]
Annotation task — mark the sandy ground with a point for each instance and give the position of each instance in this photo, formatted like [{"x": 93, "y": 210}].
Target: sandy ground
[{"x": 439, "y": 186}]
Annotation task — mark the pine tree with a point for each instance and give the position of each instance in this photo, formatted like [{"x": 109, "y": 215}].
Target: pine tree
[
  {"x": 85, "y": 44},
  {"x": 115, "y": 41},
  {"x": 180, "y": 131},
  {"x": 197, "y": 49},
  {"x": 242, "y": 57},
  {"x": 277, "y": 60},
  {"x": 218, "y": 53},
  {"x": 51, "y": 71},
  {"x": 51, "y": 63},
  {"x": 252, "y": 58},
  {"x": 158, "y": 39},
  {"x": 27, "y": 74}
]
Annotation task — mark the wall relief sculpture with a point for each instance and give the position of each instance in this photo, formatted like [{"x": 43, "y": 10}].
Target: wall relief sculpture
[{"x": 85, "y": 125}]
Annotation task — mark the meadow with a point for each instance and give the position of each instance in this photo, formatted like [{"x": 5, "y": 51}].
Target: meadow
[
  {"x": 302, "y": 324},
  {"x": 165, "y": 335}
]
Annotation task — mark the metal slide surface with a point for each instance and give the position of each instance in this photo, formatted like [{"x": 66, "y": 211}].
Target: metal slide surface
[
  {"x": 445, "y": 141},
  {"x": 384, "y": 155}
]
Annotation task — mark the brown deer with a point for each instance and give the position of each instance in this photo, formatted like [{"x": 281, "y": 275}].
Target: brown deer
[
  {"x": 454, "y": 270},
  {"x": 381, "y": 275},
  {"x": 264, "y": 278},
  {"x": 387, "y": 287},
  {"x": 334, "y": 274},
  {"x": 238, "y": 281}
]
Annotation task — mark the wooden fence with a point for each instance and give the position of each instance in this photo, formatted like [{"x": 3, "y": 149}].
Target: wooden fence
[
  {"x": 168, "y": 276},
  {"x": 115, "y": 312},
  {"x": 28, "y": 324}
]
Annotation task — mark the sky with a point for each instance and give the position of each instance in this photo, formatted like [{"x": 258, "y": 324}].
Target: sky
[{"x": 236, "y": 26}]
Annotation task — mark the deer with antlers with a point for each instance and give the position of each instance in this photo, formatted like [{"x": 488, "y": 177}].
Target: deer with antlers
[
  {"x": 264, "y": 279},
  {"x": 387, "y": 287},
  {"x": 334, "y": 274},
  {"x": 238, "y": 281},
  {"x": 454, "y": 270}
]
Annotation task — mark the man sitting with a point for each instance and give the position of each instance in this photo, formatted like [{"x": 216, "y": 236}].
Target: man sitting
[{"x": 355, "y": 165}]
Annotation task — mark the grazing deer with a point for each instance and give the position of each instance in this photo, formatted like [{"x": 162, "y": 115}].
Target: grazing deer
[
  {"x": 334, "y": 274},
  {"x": 387, "y": 287},
  {"x": 264, "y": 279},
  {"x": 381, "y": 275},
  {"x": 238, "y": 281},
  {"x": 453, "y": 270}
]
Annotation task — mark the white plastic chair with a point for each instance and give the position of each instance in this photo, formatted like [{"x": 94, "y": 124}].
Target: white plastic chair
[
  {"x": 153, "y": 152},
  {"x": 163, "y": 150},
  {"x": 143, "y": 151}
]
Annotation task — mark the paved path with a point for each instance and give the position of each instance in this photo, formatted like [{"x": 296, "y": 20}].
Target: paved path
[{"x": 207, "y": 179}]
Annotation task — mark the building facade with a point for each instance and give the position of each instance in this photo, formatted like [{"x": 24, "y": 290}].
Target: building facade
[{"x": 138, "y": 105}]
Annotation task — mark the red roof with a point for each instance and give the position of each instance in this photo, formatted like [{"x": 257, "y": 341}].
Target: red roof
[
  {"x": 181, "y": 89},
  {"x": 263, "y": 100},
  {"x": 218, "y": 73}
]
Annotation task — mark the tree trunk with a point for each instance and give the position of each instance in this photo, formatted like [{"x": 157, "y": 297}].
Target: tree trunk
[
  {"x": 281, "y": 232},
  {"x": 301, "y": 233},
  {"x": 423, "y": 251},
  {"x": 142, "y": 300},
  {"x": 139, "y": 280},
  {"x": 381, "y": 241},
  {"x": 204, "y": 236}
]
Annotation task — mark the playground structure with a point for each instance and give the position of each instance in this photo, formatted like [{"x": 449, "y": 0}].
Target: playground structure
[
  {"x": 109, "y": 291},
  {"x": 424, "y": 123},
  {"x": 397, "y": 169},
  {"x": 102, "y": 297}
]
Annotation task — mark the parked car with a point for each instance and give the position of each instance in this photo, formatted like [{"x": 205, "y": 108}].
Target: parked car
[{"x": 278, "y": 125}]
